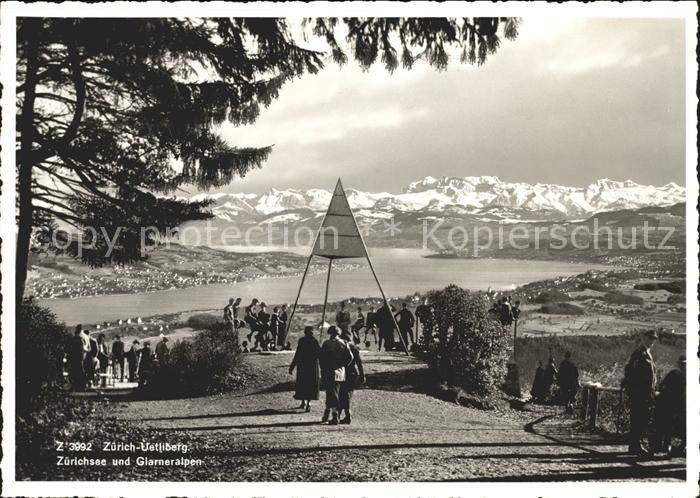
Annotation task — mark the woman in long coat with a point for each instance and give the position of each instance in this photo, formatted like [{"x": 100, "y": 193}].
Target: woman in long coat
[{"x": 306, "y": 362}]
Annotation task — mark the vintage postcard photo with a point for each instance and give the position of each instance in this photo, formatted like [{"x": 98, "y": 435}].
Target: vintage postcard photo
[{"x": 429, "y": 248}]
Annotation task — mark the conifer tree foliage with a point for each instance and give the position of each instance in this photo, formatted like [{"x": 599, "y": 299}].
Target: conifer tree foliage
[{"x": 114, "y": 113}]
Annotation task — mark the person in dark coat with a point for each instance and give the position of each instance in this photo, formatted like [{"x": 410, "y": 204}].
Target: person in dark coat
[
  {"x": 275, "y": 328},
  {"x": 385, "y": 323},
  {"x": 568, "y": 382},
  {"x": 306, "y": 363},
  {"x": 640, "y": 383},
  {"x": 670, "y": 412},
  {"x": 342, "y": 318},
  {"x": 506, "y": 312},
  {"x": 118, "y": 357},
  {"x": 537, "y": 391},
  {"x": 371, "y": 325},
  {"x": 146, "y": 364},
  {"x": 406, "y": 321},
  {"x": 422, "y": 314},
  {"x": 358, "y": 325},
  {"x": 76, "y": 357},
  {"x": 251, "y": 318},
  {"x": 90, "y": 362},
  {"x": 262, "y": 337},
  {"x": 549, "y": 379},
  {"x": 282, "y": 334},
  {"x": 335, "y": 356},
  {"x": 162, "y": 351},
  {"x": 132, "y": 358},
  {"x": 354, "y": 376},
  {"x": 102, "y": 358}
]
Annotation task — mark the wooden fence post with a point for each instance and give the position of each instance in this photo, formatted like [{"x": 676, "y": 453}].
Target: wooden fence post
[{"x": 593, "y": 411}]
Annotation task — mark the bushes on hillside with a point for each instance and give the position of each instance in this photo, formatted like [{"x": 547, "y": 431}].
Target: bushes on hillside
[
  {"x": 551, "y": 297},
  {"x": 204, "y": 321},
  {"x": 620, "y": 298},
  {"x": 561, "y": 309},
  {"x": 467, "y": 347},
  {"x": 675, "y": 287},
  {"x": 41, "y": 342},
  {"x": 207, "y": 364}
]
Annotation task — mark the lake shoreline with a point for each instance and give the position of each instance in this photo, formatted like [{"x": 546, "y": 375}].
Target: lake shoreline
[{"x": 402, "y": 272}]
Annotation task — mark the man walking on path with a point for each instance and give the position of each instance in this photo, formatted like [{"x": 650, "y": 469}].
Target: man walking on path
[
  {"x": 568, "y": 382},
  {"x": 406, "y": 321},
  {"x": 306, "y": 363},
  {"x": 335, "y": 356},
  {"x": 354, "y": 376},
  {"x": 640, "y": 383}
]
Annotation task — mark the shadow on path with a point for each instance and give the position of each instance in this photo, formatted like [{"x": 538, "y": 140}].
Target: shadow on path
[{"x": 255, "y": 413}]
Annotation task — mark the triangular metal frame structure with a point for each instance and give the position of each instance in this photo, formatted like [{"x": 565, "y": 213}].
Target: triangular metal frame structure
[{"x": 340, "y": 226}]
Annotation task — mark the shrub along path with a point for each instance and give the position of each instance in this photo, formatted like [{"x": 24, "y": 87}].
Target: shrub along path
[{"x": 399, "y": 433}]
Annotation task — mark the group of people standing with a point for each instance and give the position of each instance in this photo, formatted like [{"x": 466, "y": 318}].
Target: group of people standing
[
  {"x": 382, "y": 324},
  {"x": 268, "y": 330},
  {"x": 548, "y": 378},
  {"x": 90, "y": 359},
  {"x": 335, "y": 367},
  {"x": 657, "y": 412}
]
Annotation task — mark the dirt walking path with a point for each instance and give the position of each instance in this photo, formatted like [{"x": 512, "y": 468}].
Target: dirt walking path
[{"x": 398, "y": 433}]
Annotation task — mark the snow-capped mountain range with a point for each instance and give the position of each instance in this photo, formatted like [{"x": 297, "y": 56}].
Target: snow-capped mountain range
[{"x": 485, "y": 197}]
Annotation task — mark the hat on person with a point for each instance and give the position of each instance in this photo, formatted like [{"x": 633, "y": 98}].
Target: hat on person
[{"x": 651, "y": 333}]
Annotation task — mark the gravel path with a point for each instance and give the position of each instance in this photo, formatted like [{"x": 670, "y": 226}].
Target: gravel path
[{"x": 398, "y": 433}]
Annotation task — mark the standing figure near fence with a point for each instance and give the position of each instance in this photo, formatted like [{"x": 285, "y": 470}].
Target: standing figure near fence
[
  {"x": 568, "y": 383},
  {"x": 639, "y": 383},
  {"x": 335, "y": 356},
  {"x": 306, "y": 363},
  {"x": 102, "y": 358},
  {"x": 670, "y": 411},
  {"x": 354, "y": 376}
]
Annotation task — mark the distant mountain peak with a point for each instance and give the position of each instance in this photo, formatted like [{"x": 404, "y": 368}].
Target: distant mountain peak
[{"x": 450, "y": 194}]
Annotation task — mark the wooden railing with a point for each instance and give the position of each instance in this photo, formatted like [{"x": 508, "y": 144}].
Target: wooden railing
[{"x": 590, "y": 403}]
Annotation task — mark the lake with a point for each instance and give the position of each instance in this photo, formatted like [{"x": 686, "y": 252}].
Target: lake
[{"x": 401, "y": 272}]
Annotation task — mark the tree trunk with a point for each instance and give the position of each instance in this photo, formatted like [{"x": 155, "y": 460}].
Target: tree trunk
[{"x": 26, "y": 163}]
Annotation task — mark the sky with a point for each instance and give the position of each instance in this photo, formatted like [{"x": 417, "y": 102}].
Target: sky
[{"x": 568, "y": 102}]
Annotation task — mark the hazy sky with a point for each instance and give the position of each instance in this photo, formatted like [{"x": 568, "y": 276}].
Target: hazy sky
[{"x": 569, "y": 101}]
